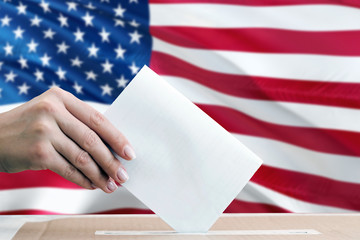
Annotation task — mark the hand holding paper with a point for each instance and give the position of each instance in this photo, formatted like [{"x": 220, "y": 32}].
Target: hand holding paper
[{"x": 188, "y": 168}]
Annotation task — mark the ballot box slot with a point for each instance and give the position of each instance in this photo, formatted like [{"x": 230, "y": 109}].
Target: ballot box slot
[{"x": 212, "y": 233}]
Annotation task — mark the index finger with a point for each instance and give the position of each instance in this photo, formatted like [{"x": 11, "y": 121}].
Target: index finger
[{"x": 100, "y": 124}]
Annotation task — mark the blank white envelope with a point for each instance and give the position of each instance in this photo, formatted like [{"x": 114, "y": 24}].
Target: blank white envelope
[{"x": 188, "y": 168}]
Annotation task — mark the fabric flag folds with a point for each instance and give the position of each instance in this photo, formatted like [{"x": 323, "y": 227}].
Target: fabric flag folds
[{"x": 282, "y": 76}]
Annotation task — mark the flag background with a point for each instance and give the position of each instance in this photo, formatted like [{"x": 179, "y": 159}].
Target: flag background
[{"x": 281, "y": 75}]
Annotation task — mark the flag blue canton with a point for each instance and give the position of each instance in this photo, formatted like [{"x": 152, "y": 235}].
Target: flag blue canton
[{"x": 90, "y": 48}]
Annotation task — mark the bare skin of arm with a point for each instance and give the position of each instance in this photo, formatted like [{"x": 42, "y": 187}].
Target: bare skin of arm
[{"x": 59, "y": 132}]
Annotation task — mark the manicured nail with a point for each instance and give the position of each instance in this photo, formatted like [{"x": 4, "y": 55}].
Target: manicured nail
[
  {"x": 93, "y": 186},
  {"x": 122, "y": 175},
  {"x": 129, "y": 152},
  {"x": 111, "y": 186}
]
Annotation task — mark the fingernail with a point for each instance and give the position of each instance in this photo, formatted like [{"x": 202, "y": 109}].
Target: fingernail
[
  {"x": 129, "y": 152},
  {"x": 93, "y": 186},
  {"x": 111, "y": 186},
  {"x": 122, "y": 175}
]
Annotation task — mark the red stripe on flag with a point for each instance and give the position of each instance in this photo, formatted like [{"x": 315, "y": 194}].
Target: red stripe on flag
[
  {"x": 42, "y": 212},
  {"x": 317, "y": 139},
  {"x": 126, "y": 211},
  {"x": 262, "y": 2},
  {"x": 29, "y": 178},
  {"x": 239, "y": 206},
  {"x": 310, "y": 188},
  {"x": 263, "y": 40},
  {"x": 262, "y": 88}
]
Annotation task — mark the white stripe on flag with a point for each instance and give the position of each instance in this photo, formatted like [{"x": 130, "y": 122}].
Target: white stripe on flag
[
  {"x": 298, "y": 17},
  {"x": 67, "y": 201},
  {"x": 288, "y": 66},
  {"x": 258, "y": 194},
  {"x": 286, "y": 156},
  {"x": 284, "y": 113},
  {"x": 101, "y": 107}
]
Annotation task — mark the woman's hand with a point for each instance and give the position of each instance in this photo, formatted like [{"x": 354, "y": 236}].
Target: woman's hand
[{"x": 59, "y": 132}]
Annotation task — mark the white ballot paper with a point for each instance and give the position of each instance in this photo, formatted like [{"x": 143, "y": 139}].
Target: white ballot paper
[{"x": 188, "y": 168}]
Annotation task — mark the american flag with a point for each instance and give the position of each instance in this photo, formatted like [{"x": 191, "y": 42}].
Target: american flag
[{"x": 281, "y": 75}]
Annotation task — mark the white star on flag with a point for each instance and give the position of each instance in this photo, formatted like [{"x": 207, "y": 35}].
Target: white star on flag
[
  {"x": 76, "y": 62},
  {"x": 61, "y": 73},
  {"x": 93, "y": 50},
  {"x": 119, "y": 52},
  {"x": 18, "y": 32},
  {"x": 135, "y": 37},
  {"x": 10, "y": 77},
  {"x": 79, "y": 35},
  {"x": 45, "y": 6},
  {"x": 8, "y": 49},
  {"x": 35, "y": 21},
  {"x": 119, "y": 22},
  {"x": 107, "y": 66},
  {"x": 78, "y": 88},
  {"x": 21, "y": 9},
  {"x": 134, "y": 69},
  {"x": 122, "y": 82},
  {"x": 133, "y": 23},
  {"x": 62, "y": 48},
  {"x": 119, "y": 11},
  {"x": 5, "y": 21},
  {"x": 71, "y": 6},
  {"x": 106, "y": 89},
  {"x": 45, "y": 59},
  {"x": 91, "y": 75},
  {"x": 32, "y": 46},
  {"x": 23, "y": 89},
  {"x": 23, "y": 62},
  {"x": 39, "y": 75},
  {"x": 104, "y": 35},
  {"x": 49, "y": 33},
  {"x": 63, "y": 21},
  {"x": 88, "y": 19}
]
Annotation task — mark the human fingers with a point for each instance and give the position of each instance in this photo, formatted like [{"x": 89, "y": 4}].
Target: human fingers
[
  {"x": 101, "y": 125},
  {"x": 92, "y": 144},
  {"x": 61, "y": 166},
  {"x": 82, "y": 161}
]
